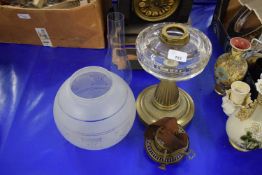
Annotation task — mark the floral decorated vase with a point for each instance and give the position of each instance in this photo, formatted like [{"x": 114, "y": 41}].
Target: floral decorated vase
[
  {"x": 231, "y": 66},
  {"x": 244, "y": 128}
]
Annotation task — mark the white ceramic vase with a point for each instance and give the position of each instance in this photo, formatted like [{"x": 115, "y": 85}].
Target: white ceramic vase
[{"x": 244, "y": 128}]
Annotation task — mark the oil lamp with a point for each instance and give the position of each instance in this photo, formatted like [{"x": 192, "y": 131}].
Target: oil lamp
[{"x": 171, "y": 52}]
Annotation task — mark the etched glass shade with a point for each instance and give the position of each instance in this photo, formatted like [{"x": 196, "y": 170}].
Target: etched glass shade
[{"x": 94, "y": 108}]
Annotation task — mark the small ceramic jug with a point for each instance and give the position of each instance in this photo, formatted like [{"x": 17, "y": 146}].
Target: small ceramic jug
[
  {"x": 231, "y": 66},
  {"x": 244, "y": 128}
]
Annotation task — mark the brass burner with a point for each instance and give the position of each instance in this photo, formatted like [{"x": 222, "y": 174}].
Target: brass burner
[
  {"x": 158, "y": 153},
  {"x": 155, "y": 10}
]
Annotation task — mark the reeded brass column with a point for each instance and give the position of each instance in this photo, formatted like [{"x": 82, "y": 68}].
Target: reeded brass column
[{"x": 166, "y": 96}]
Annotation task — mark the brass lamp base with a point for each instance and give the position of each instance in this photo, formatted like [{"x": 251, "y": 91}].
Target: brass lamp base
[{"x": 149, "y": 112}]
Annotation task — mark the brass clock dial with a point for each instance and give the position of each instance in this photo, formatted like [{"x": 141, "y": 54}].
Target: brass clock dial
[{"x": 155, "y": 10}]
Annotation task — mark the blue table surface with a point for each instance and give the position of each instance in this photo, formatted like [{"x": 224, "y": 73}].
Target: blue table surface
[{"x": 30, "y": 143}]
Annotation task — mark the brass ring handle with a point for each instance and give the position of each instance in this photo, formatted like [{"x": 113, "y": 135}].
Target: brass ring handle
[{"x": 175, "y": 34}]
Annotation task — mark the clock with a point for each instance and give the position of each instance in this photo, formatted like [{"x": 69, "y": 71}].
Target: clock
[
  {"x": 155, "y": 10},
  {"x": 144, "y": 11},
  {"x": 141, "y": 13}
]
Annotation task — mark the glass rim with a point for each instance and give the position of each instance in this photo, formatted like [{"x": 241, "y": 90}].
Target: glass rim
[{"x": 115, "y": 16}]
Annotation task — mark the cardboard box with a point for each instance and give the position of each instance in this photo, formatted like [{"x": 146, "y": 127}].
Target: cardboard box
[{"x": 81, "y": 26}]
